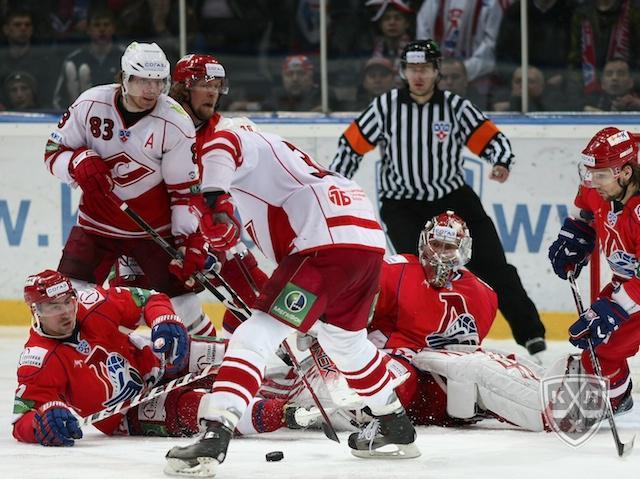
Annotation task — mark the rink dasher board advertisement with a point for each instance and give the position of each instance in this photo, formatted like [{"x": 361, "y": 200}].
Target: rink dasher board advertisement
[{"x": 37, "y": 210}]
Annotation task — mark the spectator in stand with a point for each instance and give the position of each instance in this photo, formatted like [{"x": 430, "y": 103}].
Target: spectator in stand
[
  {"x": 549, "y": 43},
  {"x": 98, "y": 63},
  {"x": 68, "y": 19},
  {"x": 465, "y": 29},
  {"x": 600, "y": 31},
  {"x": 618, "y": 92},
  {"x": 393, "y": 23},
  {"x": 453, "y": 77},
  {"x": 378, "y": 77},
  {"x": 298, "y": 91},
  {"x": 20, "y": 54},
  {"x": 20, "y": 91},
  {"x": 536, "y": 92}
]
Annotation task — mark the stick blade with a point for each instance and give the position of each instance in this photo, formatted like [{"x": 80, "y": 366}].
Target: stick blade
[
  {"x": 625, "y": 448},
  {"x": 330, "y": 432}
]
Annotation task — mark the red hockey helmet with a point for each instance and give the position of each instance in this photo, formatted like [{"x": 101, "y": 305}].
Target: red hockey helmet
[
  {"x": 444, "y": 246},
  {"x": 44, "y": 288},
  {"x": 608, "y": 151},
  {"x": 195, "y": 66}
]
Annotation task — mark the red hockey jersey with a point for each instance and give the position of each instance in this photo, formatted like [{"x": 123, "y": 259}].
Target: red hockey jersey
[
  {"x": 97, "y": 366},
  {"x": 410, "y": 314}
]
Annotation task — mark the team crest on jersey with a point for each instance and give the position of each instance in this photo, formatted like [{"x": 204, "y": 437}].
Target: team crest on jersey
[
  {"x": 463, "y": 330},
  {"x": 83, "y": 347},
  {"x": 612, "y": 218},
  {"x": 121, "y": 380},
  {"x": 622, "y": 263},
  {"x": 125, "y": 170},
  {"x": 124, "y": 135},
  {"x": 441, "y": 129}
]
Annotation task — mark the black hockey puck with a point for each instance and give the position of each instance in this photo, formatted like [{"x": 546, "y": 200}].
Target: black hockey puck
[{"x": 274, "y": 456}]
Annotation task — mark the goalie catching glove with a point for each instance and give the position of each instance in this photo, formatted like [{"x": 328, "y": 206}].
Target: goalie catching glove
[
  {"x": 55, "y": 425},
  {"x": 571, "y": 250}
]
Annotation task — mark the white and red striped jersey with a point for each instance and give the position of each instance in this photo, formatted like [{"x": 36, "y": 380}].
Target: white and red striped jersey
[
  {"x": 287, "y": 202},
  {"x": 152, "y": 163}
]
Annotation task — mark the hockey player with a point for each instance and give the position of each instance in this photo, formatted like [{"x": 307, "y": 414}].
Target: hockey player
[
  {"x": 320, "y": 230},
  {"x": 131, "y": 141},
  {"x": 609, "y": 206},
  {"x": 77, "y": 361},
  {"x": 430, "y": 317},
  {"x": 198, "y": 82}
]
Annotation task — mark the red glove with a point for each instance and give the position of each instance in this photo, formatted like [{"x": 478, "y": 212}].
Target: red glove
[
  {"x": 91, "y": 173},
  {"x": 220, "y": 226},
  {"x": 194, "y": 248}
]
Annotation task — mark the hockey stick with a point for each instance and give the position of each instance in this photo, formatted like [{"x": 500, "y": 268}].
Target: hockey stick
[
  {"x": 202, "y": 279},
  {"x": 238, "y": 307},
  {"x": 145, "y": 396},
  {"x": 622, "y": 448}
]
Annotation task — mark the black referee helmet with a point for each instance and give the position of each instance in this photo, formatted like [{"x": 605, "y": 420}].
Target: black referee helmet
[{"x": 421, "y": 51}]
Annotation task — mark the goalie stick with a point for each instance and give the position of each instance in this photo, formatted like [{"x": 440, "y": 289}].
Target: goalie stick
[
  {"x": 622, "y": 447},
  {"x": 143, "y": 397},
  {"x": 239, "y": 308}
]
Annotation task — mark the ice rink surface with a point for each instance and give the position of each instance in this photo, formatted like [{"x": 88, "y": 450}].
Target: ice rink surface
[{"x": 486, "y": 450}]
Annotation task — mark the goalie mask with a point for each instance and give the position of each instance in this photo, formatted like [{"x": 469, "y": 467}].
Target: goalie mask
[
  {"x": 606, "y": 154},
  {"x": 52, "y": 299},
  {"x": 444, "y": 247},
  {"x": 145, "y": 70}
]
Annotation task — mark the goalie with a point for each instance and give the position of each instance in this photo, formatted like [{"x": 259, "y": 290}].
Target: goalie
[{"x": 431, "y": 317}]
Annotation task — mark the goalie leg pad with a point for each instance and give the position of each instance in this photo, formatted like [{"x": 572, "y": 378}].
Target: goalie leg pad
[
  {"x": 505, "y": 385},
  {"x": 206, "y": 351}
]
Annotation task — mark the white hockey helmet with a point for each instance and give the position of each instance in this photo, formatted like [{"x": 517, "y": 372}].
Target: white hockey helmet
[{"x": 148, "y": 62}]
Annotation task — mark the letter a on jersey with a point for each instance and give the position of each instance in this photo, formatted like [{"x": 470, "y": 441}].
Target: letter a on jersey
[{"x": 149, "y": 142}]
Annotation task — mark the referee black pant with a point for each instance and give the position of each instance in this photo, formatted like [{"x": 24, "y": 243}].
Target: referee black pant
[{"x": 405, "y": 219}]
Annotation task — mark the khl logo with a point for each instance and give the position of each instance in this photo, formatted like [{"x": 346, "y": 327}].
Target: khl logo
[{"x": 295, "y": 301}]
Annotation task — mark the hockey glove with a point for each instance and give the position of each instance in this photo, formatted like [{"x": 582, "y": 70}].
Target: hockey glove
[
  {"x": 195, "y": 253},
  {"x": 572, "y": 248},
  {"x": 171, "y": 338},
  {"x": 55, "y": 425},
  {"x": 598, "y": 322},
  {"x": 220, "y": 226},
  {"x": 91, "y": 173}
]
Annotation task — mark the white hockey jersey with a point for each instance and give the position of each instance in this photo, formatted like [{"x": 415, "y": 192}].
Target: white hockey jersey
[
  {"x": 152, "y": 163},
  {"x": 466, "y": 29},
  {"x": 287, "y": 202}
]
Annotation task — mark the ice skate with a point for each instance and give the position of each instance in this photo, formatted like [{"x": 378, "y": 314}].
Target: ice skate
[
  {"x": 391, "y": 436},
  {"x": 202, "y": 458}
]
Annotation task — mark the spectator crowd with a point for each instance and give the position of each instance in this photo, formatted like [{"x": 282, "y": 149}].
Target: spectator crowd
[{"x": 584, "y": 55}]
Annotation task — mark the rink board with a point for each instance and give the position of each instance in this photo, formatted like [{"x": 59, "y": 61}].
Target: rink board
[{"x": 37, "y": 211}]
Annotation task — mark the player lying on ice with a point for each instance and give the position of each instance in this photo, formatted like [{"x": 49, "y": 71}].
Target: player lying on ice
[
  {"x": 77, "y": 362},
  {"x": 609, "y": 205}
]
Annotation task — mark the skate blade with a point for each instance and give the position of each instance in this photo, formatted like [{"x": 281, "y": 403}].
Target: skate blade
[
  {"x": 390, "y": 451},
  {"x": 206, "y": 467}
]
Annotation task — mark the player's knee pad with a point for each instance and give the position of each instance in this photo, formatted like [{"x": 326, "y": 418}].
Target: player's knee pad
[
  {"x": 338, "y": 342},
  {"x": 261, "y": 333}
]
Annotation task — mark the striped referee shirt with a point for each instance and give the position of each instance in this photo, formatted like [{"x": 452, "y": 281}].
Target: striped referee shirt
[{"x": 421, "y": 145}]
